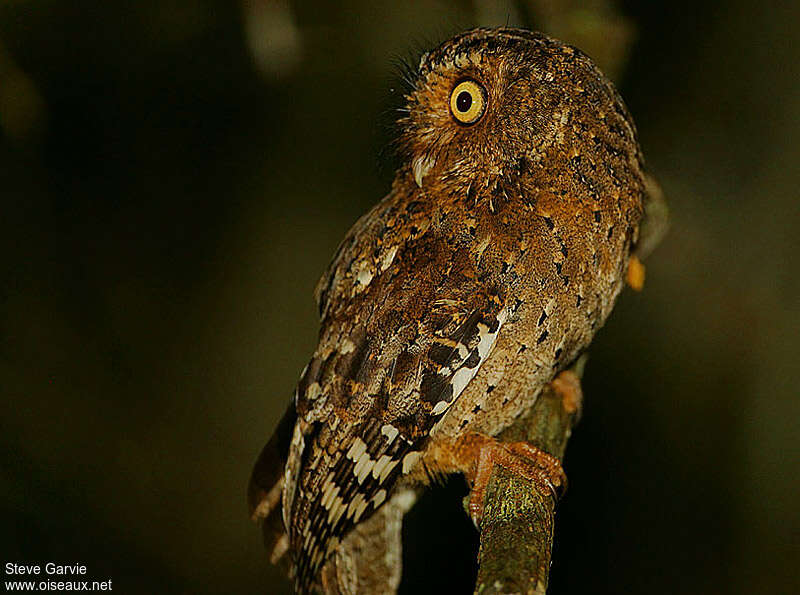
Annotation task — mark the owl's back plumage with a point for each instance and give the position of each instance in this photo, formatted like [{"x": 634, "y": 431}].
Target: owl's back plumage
[{"x": 486, "y": 270}]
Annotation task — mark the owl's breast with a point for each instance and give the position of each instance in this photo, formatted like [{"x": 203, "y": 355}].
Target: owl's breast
[{"x": 561, "y": 269}]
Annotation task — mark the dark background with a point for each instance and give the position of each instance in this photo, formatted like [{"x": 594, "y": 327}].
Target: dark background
[{"x": 175, "y": 175}]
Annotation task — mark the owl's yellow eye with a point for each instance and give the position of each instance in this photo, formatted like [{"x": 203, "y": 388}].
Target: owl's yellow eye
[{"x": 467, "y": 102}]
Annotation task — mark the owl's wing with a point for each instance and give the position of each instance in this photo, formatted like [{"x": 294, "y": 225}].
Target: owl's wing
[{"x": 397, "y": 347}]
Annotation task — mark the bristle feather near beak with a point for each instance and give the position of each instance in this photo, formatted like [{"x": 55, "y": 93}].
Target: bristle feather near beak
[{"x": 421, "y": 166}]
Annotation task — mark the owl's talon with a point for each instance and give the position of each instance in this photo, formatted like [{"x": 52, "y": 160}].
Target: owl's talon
[{"x": 521, "y": 458}]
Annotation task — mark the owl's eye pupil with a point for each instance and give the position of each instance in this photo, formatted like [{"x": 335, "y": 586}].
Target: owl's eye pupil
[{"x": 464, "y": 101}]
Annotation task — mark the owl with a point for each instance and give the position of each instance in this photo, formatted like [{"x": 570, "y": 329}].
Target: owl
[{"x": 482, "y": 275}]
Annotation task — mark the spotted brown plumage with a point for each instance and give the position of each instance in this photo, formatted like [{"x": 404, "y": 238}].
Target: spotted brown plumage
[{"x": 484, "y": 272}]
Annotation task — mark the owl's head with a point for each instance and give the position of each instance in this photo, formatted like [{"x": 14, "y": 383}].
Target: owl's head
[{"x": 491, "y": 101}]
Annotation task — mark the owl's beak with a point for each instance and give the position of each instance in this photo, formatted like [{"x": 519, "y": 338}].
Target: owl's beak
[{"x": 421, "y": 166}]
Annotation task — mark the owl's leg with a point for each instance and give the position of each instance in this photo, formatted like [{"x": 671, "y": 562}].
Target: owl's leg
[
  {"x": 475, "y": 455},
  {"x": 520, "y": 458}
]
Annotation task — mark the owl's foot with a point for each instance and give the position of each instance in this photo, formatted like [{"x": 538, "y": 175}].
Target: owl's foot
[
  {"x": 520, "y": 458},
  {"x": 567, "y": 385},
  {"x": 635, "y": 274}
]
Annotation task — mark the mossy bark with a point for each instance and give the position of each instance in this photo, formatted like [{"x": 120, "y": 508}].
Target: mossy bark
[{"x": 519, "y": 518}]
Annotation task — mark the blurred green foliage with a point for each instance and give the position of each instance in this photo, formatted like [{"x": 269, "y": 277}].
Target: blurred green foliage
[{"x": 175, "y": 176}]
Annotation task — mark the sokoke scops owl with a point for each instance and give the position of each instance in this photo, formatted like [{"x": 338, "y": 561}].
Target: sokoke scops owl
[{"x": 482, "y": 275}]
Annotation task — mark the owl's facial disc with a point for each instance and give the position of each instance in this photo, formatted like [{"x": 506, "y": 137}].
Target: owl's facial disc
[
  {"x": 444, "y": 113},
  {"x": 468, "y": 102}
]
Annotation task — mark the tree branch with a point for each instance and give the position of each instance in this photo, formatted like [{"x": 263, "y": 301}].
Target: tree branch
[{"x": 518, "y": 518}]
